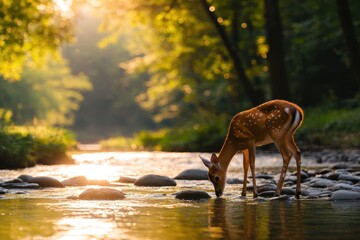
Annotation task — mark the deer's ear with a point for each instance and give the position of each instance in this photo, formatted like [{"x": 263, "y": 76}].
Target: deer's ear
[
  {"x": 206, "y": 162},
  {"x": 214, "y": 159}
]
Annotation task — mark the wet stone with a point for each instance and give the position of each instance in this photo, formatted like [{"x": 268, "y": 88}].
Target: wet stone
[
  {"x": 303, "y": 175},
  {"x": 3, "y": 190},
  {"x": 280, "y": 198},
  {"x": 45, "y": 182},
  {"x": 321, "y": 183},
  {"x": 263, "y": 176},
  {"x": 25, "y": 177},
  {"x": 324, "y": 171},
  {"x": 356, "y": 189},
  {"x": 192, "y": 174},
  {"x": 235, "y": 181},
  {"x": 346, "y": 177},
  {"x": 267, "y": 194},
  {"x": 345, "y": 195},
  {"x": 288, "y": 191},
  {"x": 340, "y": 166},
  {"x": 22, "y": 185},
  {"x": 101, "y": 194},
  {"x": 341, "y": 186},
  {"x": 192, "y": 195},
  {"x": 332, "y": 176},
  {"x": 291, "y": 179},
  {"x": 15, "y": 180},
  {"x": 123, "y": 179},
  {"x": 266, "y": 188},
  {"x": 75, "y": 181},
  {"x": 152, "y": 180}
]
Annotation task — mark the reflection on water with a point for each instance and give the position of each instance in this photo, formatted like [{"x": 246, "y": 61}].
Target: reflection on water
[{"x": 154, "y": 213}]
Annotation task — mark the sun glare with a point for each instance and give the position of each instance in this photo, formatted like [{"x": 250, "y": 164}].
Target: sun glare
[{"x": 64, "y": 5}]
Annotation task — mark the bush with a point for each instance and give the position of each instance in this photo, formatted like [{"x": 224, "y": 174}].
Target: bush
[
  {"x": 333, "y": 125},
  {"x": 26, "y": 146},
  {"x": 193, "y": 138},
  {"x": 16, "y": 150}
]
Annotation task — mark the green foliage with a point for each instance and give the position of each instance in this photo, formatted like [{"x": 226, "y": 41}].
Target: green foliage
[
  {"x": 49, "y": 94},
  {"x": 191, "y": 138},
  {"x": 335, "y": 125},
  {"x": 15, "y": 150},
  {"x": 22, "y": 146},
  {"x": 110, "y": 109},
  {"x": 29, "y": 28}
]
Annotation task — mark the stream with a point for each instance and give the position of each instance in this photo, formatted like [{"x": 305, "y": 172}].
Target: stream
[{"x": 154, "y": 213}]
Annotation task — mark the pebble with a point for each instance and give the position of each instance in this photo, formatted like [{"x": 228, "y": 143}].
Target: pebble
[
  {"x": 263, "y": 176},
  {"x": 101, "y": 194},
  {"x": 235, "y": 181},
  {"x": 22, "y": 185},
  {"x": 345, "y": 195},
  {"x": 152, "y": 180},
  {"x": 341, "y": 186},
  {"x": 123, "y": 179},
  {"x": 192, "y": 174},
  {"x": 75, "y": 181},
  {"x": 3, "y": 190},
  {"x": 347, "y": 177},
  {"x": 45, "y": 182},
  {"x": 192, "y": 195},
  {"x": 321, "y": 183},
  {"x": 25, "y": 177}
]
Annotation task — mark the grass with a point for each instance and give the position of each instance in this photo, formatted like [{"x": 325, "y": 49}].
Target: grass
[{"x": 332, "y": 125}]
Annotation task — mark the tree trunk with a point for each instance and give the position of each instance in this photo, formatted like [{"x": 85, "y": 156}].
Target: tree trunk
[
  {"x": 276, "y": 56},
  {"x": 252, "y": 94},
  {"x": 350, "y": 38}
]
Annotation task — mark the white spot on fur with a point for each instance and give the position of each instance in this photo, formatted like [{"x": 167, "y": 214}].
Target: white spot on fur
[{"x": 287, "y": 110}]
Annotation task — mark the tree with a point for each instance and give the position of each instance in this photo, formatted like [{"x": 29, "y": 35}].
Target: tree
[
  {"x": 253, "y": 95},
  {"x": 350, "y": 38},
  {"x": 276, "y": 56},
  {"x": 29, "y": 28},
  {"x": 49, "y": 95}
]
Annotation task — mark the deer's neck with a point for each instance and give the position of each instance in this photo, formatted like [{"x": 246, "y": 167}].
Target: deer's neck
[{"x": 227, "y": 152}]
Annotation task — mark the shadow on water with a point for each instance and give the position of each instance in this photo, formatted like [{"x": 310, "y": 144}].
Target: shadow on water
[
  {"x": 283, "y": 220},
  {"x": 173, "y": 219}
]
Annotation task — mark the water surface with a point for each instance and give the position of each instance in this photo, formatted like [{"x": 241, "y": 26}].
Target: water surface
[{"x": 154, "y": 213}]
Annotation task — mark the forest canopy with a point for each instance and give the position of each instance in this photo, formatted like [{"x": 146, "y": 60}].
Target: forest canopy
[{"x": 172, "y": 63}]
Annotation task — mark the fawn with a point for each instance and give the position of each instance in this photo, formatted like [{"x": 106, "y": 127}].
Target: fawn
[{"x": 271, "y": 122}]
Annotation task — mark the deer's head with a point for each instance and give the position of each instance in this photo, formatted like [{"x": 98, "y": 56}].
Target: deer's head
[{"x": 216, "y": 174}]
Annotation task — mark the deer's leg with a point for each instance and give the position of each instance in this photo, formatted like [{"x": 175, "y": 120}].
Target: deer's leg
[
  {"x": 251, "y": 149},
  {"x": 297, "y": 155},
  {"x": 246, "y": 168},
  {"x": 286, "y": 155}
]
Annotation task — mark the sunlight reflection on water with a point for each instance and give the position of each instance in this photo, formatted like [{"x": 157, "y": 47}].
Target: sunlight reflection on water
[{"x": 154, "y": 213}]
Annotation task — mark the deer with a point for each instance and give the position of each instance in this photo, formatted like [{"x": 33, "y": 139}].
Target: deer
[{"x": 271, "y": 122}]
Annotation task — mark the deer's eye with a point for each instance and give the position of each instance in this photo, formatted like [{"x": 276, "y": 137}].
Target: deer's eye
[{"x": 216, "y": 178}]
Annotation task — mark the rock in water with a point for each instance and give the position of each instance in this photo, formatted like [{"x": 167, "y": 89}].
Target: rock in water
[
  {"x": 152, "y": 180},
  {"x": 25, "y": 178},
  {"x": 345, "y": 195},
  {"x": 193, "y": 174},
  {"x": 192, "y": 195},
  {"x": 75, "y": 181},
  {"x": 123, "y": 179},
  {"x": 101, "y": 194},
  {"x": 45, "y": 182},
  {"x": 23, "y": 185}
]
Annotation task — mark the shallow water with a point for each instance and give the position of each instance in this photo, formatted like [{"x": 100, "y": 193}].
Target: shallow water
[{"x": 154, "y": 213}]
